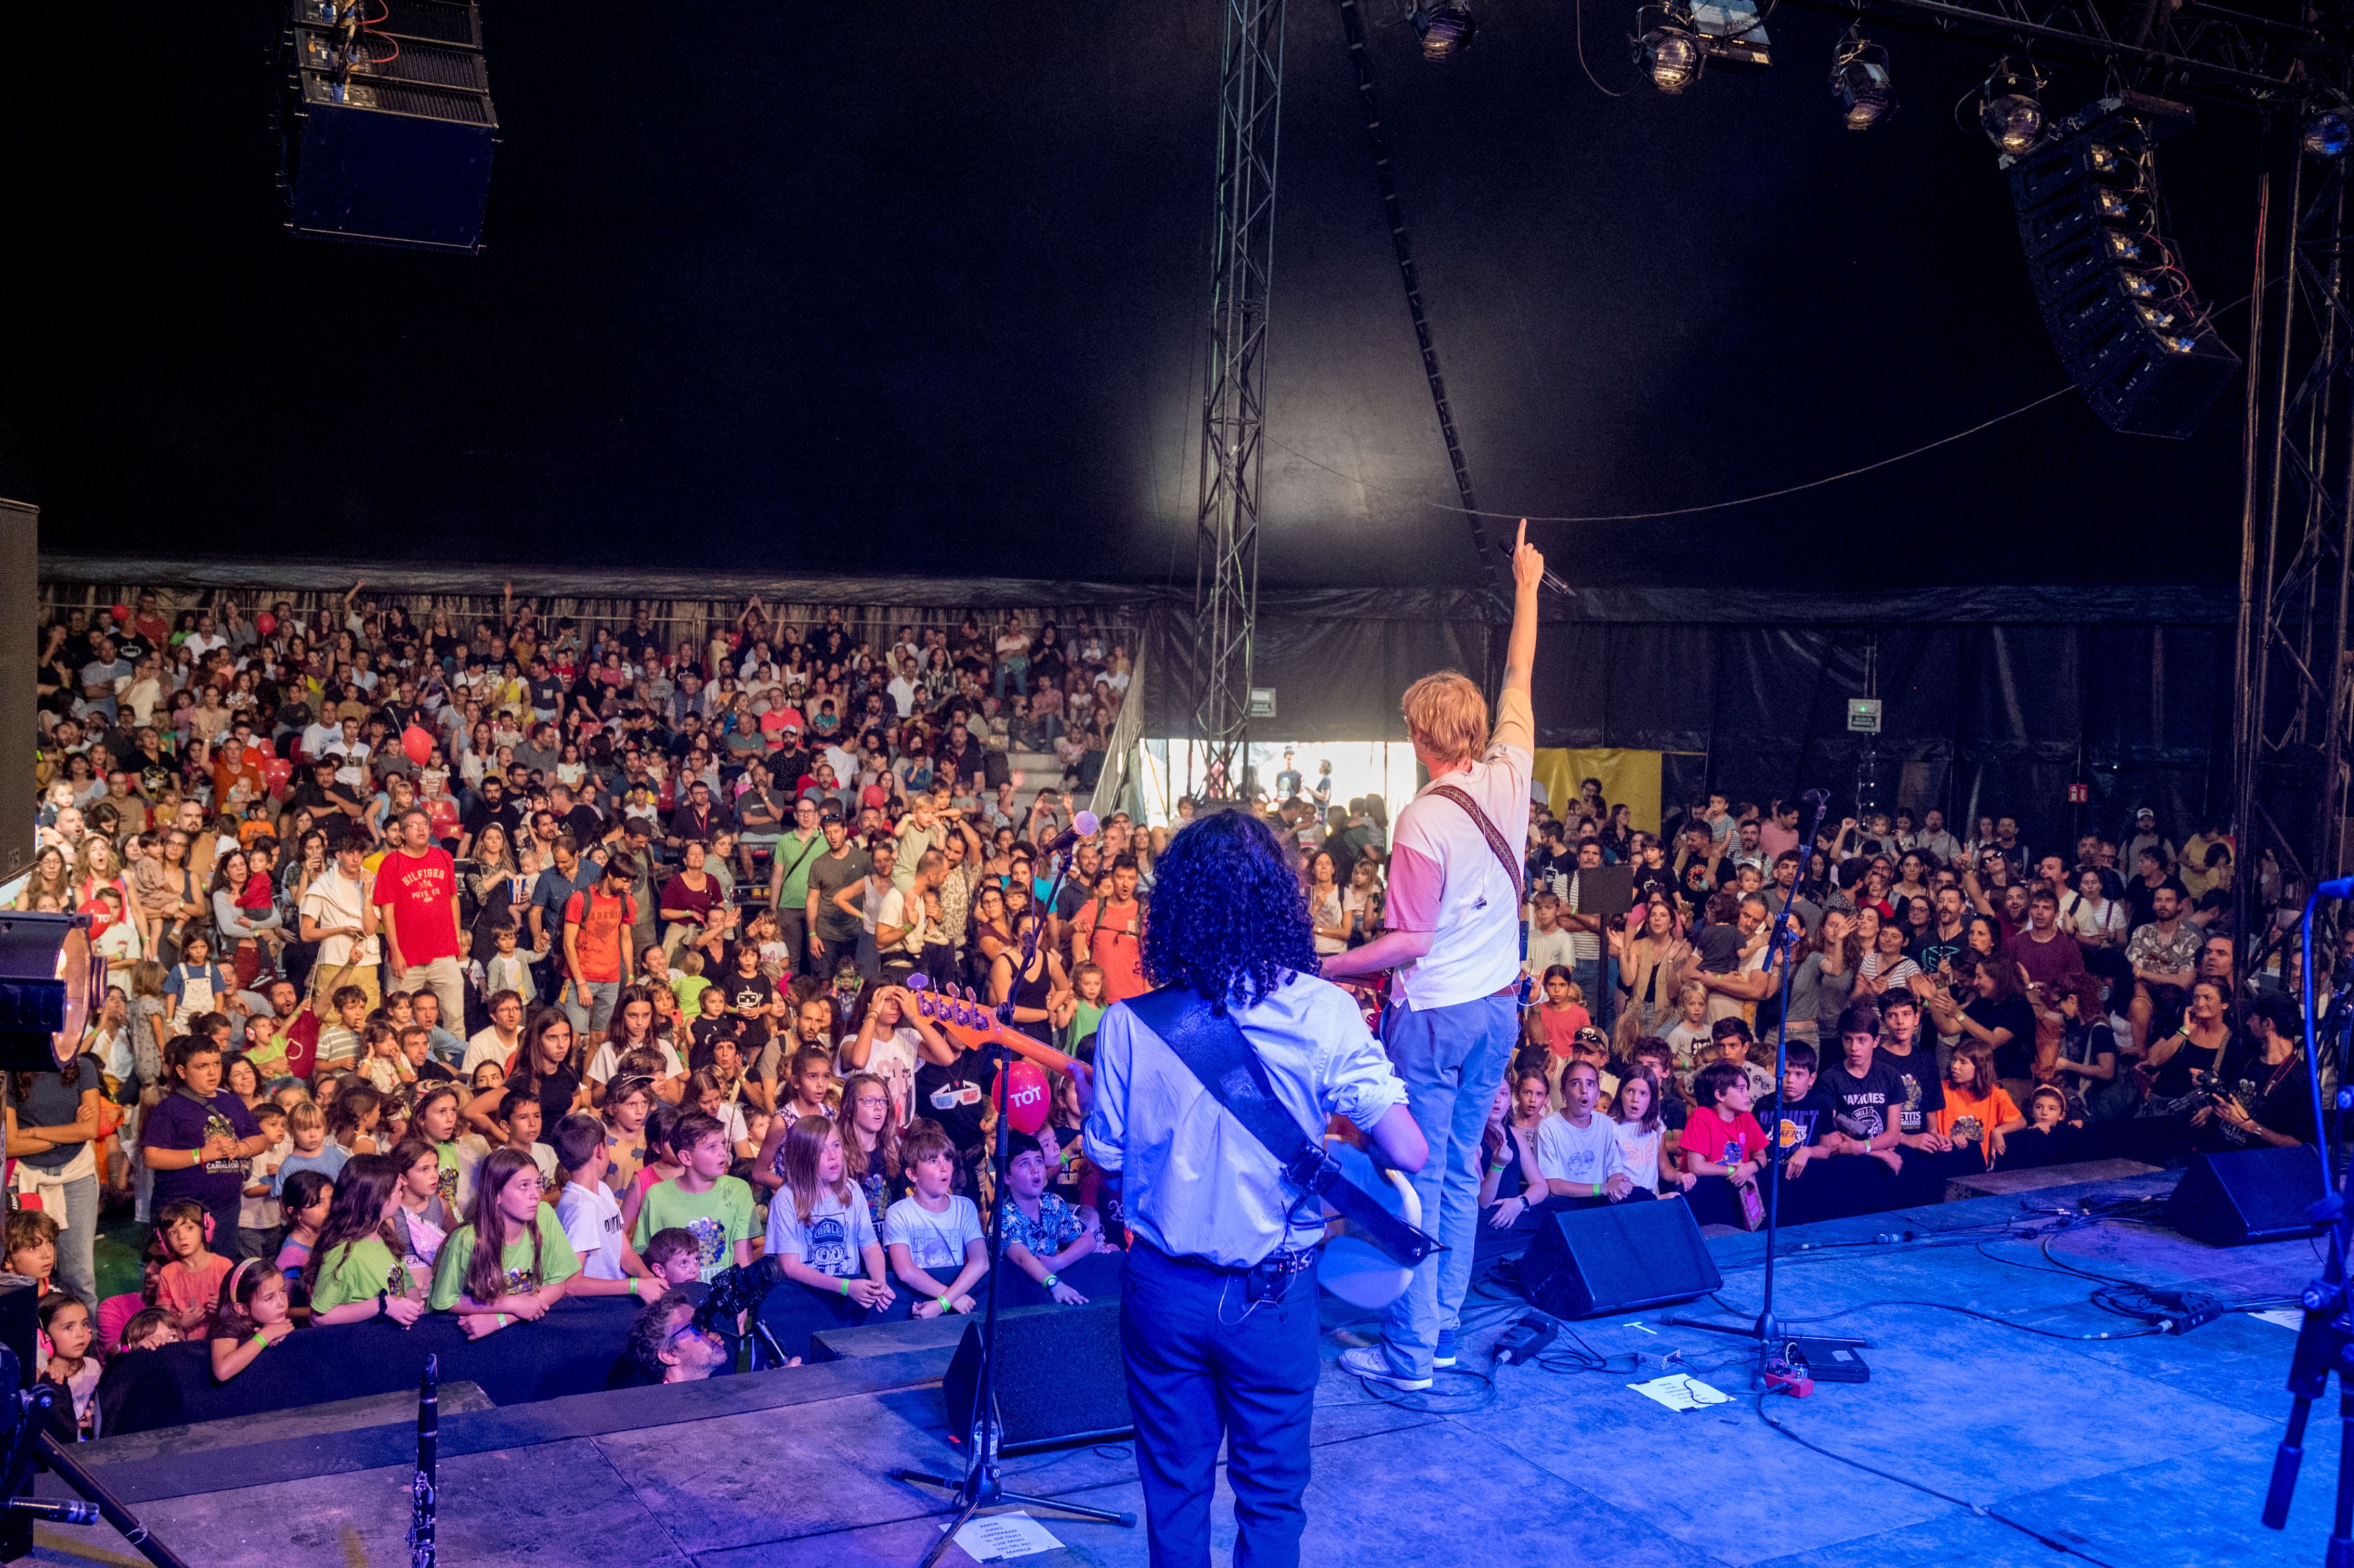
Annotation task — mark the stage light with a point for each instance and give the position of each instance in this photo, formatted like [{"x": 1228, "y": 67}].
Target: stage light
[
  {"x": 1443, "y": 29},
  {"x": 2327, "y": 134},
  {"x": 2010, "y": 110},
  {"x": 49, "y": 980},
  {"x": 1860, "y": 81},
  {"x": 1667, "y": 47}
]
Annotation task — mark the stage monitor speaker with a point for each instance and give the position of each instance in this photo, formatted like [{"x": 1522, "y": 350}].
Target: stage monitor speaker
[
  {"x": 2248, "y": 1195},
  {"x": 1617, "y": 1257},
  {"x": 1058, "y": 1377}
]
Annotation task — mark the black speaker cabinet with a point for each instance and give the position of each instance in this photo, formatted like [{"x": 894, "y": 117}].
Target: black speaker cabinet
[
  {"x": 2249, "y": 1196},
  {"x": 1058, "y": 1377},
  {"x": 1618, "y": 1257}
]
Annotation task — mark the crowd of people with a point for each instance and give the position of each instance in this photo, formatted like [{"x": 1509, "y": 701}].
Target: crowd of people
[
  {"x": 1928, "y": 991},
  {"x": 435, "y": 943},
  {"x": 457, "y": 971}
]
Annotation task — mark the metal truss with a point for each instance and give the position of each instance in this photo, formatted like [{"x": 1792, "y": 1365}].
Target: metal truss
[
  {"x": 2194, "y": 49},
  {"x": 2291, "y": 721},
  {"x": 1233, "y": 400}
]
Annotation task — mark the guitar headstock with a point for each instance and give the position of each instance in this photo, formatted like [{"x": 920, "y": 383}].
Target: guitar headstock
[{"x": 963, "y": 1017}]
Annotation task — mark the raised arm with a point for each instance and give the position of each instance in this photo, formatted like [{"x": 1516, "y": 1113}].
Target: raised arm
[{"x": 1520, "y": 651}]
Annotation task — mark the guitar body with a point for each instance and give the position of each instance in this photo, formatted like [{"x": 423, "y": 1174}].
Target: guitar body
[{"x": 1354, "y": 1268}]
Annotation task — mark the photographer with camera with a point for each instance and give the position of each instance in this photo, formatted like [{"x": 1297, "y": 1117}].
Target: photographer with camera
[{"x": 2260, "y": 1095}]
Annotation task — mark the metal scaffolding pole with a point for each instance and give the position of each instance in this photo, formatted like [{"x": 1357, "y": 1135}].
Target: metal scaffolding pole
[
  {"x": 1234, "y": 399},
  {"x": 2291, "y": 721}
]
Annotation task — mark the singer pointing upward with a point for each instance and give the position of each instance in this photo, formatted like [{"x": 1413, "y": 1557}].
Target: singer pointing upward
[{"x": 1454, "y": 942}]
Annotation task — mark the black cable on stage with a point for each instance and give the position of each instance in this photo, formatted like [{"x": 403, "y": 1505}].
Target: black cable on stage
[{"x": 1980, "y": 1509}]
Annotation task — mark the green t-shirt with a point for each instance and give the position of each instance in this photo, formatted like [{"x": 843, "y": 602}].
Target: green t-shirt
[
  {"x": 1083, "y": 1023},
  {"x": 689, "y": 990},
  {"x": 356, "y": 1273},
  {"x": 718, "y": 1219},
  {"x": 557, "y": 1260},
  {"x": 797, "y": 856}
]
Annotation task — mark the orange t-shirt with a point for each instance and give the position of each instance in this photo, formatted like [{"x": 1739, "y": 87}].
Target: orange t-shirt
[
  {"x": 1117, "y": 947},
  {"x": 1993, "y": 1110},
  {"x": 598, "y": 919}
]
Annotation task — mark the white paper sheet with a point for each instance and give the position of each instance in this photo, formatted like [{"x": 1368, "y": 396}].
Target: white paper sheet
[
  {"x": 1680, "y": 1391},
  {"x": 1000, "y": 1536}
]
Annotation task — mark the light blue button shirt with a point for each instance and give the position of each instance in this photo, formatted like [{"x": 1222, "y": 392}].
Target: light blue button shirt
[{"x": 1195, "y": 1182}]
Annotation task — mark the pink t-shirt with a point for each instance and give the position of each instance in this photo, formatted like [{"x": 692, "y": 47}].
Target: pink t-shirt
[{"x": 1446, "y": 880}]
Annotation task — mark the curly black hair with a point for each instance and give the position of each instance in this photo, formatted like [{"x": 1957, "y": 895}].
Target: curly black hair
[{"x": 1226, "y": 918}]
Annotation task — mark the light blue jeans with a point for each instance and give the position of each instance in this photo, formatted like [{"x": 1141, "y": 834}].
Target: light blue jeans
[
  {"x": 77, "y": 1268},
  {"x": 590, "y": 1014},
  {"x": 1452, "y": 1059}
]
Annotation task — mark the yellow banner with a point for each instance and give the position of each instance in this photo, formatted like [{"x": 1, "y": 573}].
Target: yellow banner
[{"x": 1629, "y": 776}]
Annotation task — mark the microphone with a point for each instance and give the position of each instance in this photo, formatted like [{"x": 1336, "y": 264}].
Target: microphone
[{"x": 1083, "y": 826}]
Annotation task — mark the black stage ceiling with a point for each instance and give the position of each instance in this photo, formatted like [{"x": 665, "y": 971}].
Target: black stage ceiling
[{"x": 820, "y": 289}]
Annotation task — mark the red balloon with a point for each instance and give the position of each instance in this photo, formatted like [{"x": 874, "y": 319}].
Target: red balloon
[
  {"x": 121, "y": 614},
  {"x": 277, "y": 770},
  {"x": 265, "y": 623},
  {"x": 417, "y": 744},
  {"x": 1032, "y": 1098}
]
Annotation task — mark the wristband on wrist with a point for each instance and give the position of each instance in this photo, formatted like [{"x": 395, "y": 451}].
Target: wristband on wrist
[
  {"x": 845, "y": 1286},
  {"x": 634, "y": 1284},
  {"x": 502, "y": 1319},
  {"x": 947, "y": 1304},
  {"x": 1053, "y": 1280},
  {"x": 380, "y": 1307},
  {"x": 260, "y": 1339}
]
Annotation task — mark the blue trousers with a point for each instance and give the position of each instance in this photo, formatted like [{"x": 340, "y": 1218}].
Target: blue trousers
[
  {"x": 1202, "y": 1361},
  {"x": 1452, "y": 1059}
]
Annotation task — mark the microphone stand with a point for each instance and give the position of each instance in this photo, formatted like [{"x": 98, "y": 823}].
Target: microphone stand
[
  {"x": 1767, "y": 1331},
  {"x": 984, "y": 1485}
]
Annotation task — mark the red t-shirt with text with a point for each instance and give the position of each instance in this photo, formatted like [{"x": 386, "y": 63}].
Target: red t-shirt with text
[{"x": 419, "y": 890}]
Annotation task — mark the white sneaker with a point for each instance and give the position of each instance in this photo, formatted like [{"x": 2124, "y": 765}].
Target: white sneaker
[{"x": 1372, "y": 1363}]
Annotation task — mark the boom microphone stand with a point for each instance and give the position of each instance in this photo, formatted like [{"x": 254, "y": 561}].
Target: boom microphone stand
[
  {"x": 984, "y": 1485},
  {"x": 1765, "y": 1331}
]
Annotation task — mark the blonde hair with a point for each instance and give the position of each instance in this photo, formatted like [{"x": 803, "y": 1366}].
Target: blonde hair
[
  {"x": 302, "y": 1116},
  {"x": 1448, "y": 716}
]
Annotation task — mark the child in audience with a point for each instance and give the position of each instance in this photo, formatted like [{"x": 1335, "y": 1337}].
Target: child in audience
[
  {"x": 258, "y": 1222},
  {"x": 2046, "y": 1111},
  {"x": 627, "y": 1104},
  {"x": 380, "y": 1056},
  {"x": 1079, "y": 1010},
  {"x": 812, "y": 1082},
  {"x": 1038, "y": 1232},
  {"x": 489, "y": 1076},
  {"x": 73, "y": 1365},
  {"x": 305, "y": 1199},
  {"x": 355, "y": 1271},
  {"x": 661, "y": 1162},
  {"x": 306, "y": 1131},
  {"x": 423, "y": 1218},
  {"x": 1635, "y": 1110},
  {"x": 116, "y": 1312},
  {"x": 352, "y": 1115},
  {"x": 689, "y": 986},
  {"x": 870, "y": 1144},
  {"x": 32, "y": 1243},
  {"x": 932, "y": 1236},
  {"x": 509, "y": 1262},
  {"x": 436, "y": 1122},
  {"x": 150, "y": 1329},
  {"x": 703, "y": 1199},
  {"x": 1797, "y": 1119},
  {"x": 253, "y": 1315},
  {"x": 610, "y": 1266},
  {"x": 708, "y": 1093},
  {"x": 1577, "y": 1146},
  {"x": 711, "y": 1023},
  {"x": 674, "y": 1257},
  {"x": 821, "y": 1230},
  {"x": 1977, "y": 1110},
  {"x": 1721, "y": 1137},
  {"x": 339, "y": 1043},
  {"x": 189, "y": 1286},
  {"x": 506, "y": 968},
  {"x": 518, "y": 1120}
]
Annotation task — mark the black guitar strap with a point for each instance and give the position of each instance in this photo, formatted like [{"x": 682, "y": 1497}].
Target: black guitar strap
[{"x": 1213, "y": 1050}]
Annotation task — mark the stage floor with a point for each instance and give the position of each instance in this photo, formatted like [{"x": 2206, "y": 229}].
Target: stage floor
[{"x": 2135, "y": 1452}]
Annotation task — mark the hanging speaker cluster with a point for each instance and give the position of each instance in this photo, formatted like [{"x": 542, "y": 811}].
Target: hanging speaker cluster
[{"x": 2121, "y": 312}]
